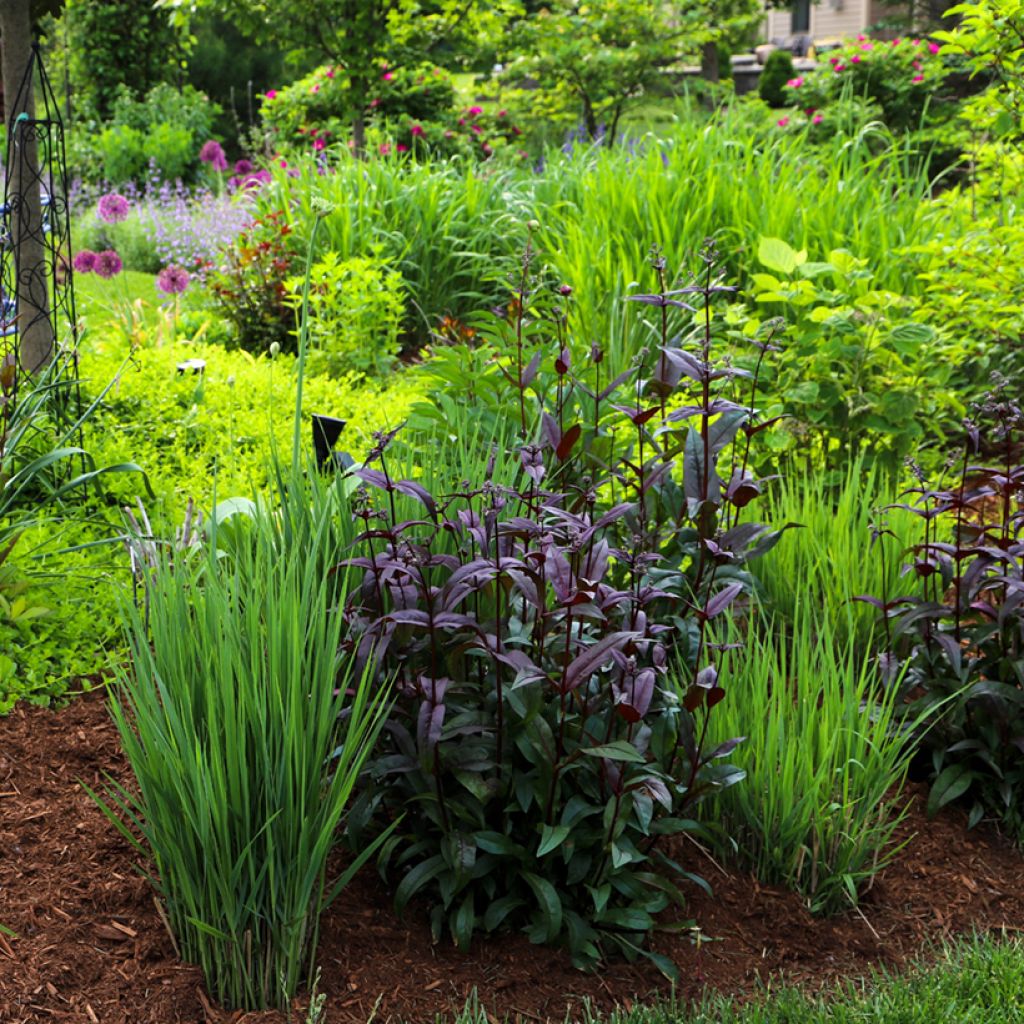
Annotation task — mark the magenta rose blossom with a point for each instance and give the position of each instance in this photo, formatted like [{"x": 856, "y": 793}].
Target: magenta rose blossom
[
  {"x": 108, "y": 264},
  {"x": 212, "y": 153},
  {"x": 113, "y": 208},
  {"x": 172, "y": 280},
  {"x": 84, "y": 261}
]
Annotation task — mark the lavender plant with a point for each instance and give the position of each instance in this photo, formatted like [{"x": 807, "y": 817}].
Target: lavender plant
[
  {"x": 962, "y": 639},
  {"x": 536, "y": 754}
]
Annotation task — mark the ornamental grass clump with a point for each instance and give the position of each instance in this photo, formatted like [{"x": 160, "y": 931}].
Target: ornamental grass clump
[
  {"x": 825, "y": 760},
  {"x": 245, "y": 731},
  {"x": 530, "y": 615}
]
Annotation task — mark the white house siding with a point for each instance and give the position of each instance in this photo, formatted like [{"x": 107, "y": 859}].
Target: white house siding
[{"x": 830, "y": 19}]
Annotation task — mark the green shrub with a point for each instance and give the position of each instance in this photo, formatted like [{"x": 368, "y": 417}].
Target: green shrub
[
  {"x": 858, "y": 372},
  {"x": 121, "y": 155},
  {"x": 356, "y": 309},
  {"x": 777, "y": 71},
  {"x": 319, "y": 106}
]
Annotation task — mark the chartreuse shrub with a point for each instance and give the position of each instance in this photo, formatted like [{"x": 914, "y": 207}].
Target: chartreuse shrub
[
  {"x": 960, "y": 639},
  {"x": 245, "y": 731},
  {"x": 823, "y": 758},
  {"x": 356, "y": 310},
  {"x": 530, "y": 616}
]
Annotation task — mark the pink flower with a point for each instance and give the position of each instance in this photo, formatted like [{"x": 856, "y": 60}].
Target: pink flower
[
  {"x": 867, "y": 46},
  {"x": 475, "y": 111},
  {"x": 172, "y": 280},
  {"x": 319, "y": 145},
  {"x": 918, "y": 65},
  {"x": 918, "y": 78},
  {"x": 933, "y": 48},
  {"x": 449, "y": 134},
  {"x": 315, "y": 88},
  {"x": 462, "y": 121},
  {"x": 795, "y": 83},
  {"x": 840, "y": 67},
  {"x": 486, "y": 150},
  {"x": 833, "y": 61},
  {"x": 860, "y": 39},
  {"x": 108, "y": 264},
  {"x": 475, "y": 129},
  {"x": 817, "y": 119},
  {"x": 782, "y": 122},
  {"x": 402, "y": 148},
  {"x": 385, "y": 148},
  {"x": 375, "y": 102},
  {"x": 330, "y": 72},
  {"x": 270, "y": 94},
  {"x": 212, "y": 153},
  {"x": 113, "y": 208},
  {"x": 284, "y": 163},
  {"x": 502, "y": 113},
  {"x": 896, "y": 41},
  {"x": 417, "y": 131},
  {"x": 855, "y": 59},
  {"x": 388, "y": 76},
  {"x": 84, "y": 261},
  {"x": 809, "y": 111}
]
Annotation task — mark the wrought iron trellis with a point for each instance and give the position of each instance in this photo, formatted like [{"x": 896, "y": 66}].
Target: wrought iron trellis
[{"x": 37, "y": 294}]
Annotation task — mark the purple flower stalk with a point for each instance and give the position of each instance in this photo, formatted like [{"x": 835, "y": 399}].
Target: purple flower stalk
[
  {"x": 113, "y": 208},
  {"x": 212, "y": 153},
  {"x": 172, "y": 280},
  {"x": 84, "y": 261},
  {"x": 108, "y": 264}
]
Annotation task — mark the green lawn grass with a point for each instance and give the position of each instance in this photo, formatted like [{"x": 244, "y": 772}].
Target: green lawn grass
[{"x": 974, "y": 981}]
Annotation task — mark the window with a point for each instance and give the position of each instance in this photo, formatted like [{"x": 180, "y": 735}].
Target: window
[{"x": 800, "y": 19}]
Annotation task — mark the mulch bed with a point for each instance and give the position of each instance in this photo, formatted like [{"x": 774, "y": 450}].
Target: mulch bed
[{"x": 91, "y": 946}]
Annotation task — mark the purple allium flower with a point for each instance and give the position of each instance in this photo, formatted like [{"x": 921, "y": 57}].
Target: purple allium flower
[
  {"x": 84, "y": 261},
  {"x": 243, "y": 167},
  {"x": 212, "y": 153},
  {"x": 113, "y": 208},
  {"x": 108, "y": 264},
  {"x": 172, "y": 280}
]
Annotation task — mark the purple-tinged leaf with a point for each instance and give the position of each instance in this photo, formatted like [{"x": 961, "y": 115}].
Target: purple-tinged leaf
[
  {"x": 584, "y": 665},
  {"x": 568, "y": 442},
  {"x": 720, "y": 601},
  {"x": 551, "y": 432},
  {"x": 531, "y": 370}
]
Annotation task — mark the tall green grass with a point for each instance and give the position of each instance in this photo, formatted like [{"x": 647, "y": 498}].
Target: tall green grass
[
  {"x": 455, "y": 229},
  {"x": 831, "y": 559},
  {"x": 823, "y": 756},
  {"x": 245, "y": 732}
]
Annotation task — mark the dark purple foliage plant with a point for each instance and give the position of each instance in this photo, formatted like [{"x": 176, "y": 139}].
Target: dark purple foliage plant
[
  {"x": 961, "y": 640},
  {"x": 548, "y": 637}
]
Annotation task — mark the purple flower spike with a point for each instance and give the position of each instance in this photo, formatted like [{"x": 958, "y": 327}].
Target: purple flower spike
[
  {"x": 172, "y": 280},
  {"x": 212, "y": 153},
  {"x": 113, "y": 208},
  {"x": 108, "y": 264},
  {"x": 84, "y": 261}
]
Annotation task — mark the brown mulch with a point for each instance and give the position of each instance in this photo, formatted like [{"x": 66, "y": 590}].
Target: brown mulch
[{"x": 91, "y": 946}]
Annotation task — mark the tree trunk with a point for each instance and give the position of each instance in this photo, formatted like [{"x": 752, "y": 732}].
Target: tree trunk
[
  {"x": 709, "y": 62},
  {"x": 35, "y": 333}
]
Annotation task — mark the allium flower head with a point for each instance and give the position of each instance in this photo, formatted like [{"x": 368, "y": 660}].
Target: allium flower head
[
  {"x": 84, "y": 261},
  {"x": 243, "y": 166},
  {"x": 108, "y": 264},
  {"x": 172, "y": 280},
  {"x": 113, "y": 208},
  {"x": 212, "y": 153}
]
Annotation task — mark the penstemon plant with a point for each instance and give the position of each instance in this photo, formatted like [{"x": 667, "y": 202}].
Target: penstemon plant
[
  {"x": 961, "y": 641},
  {"x": 536, "y": 749}
]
